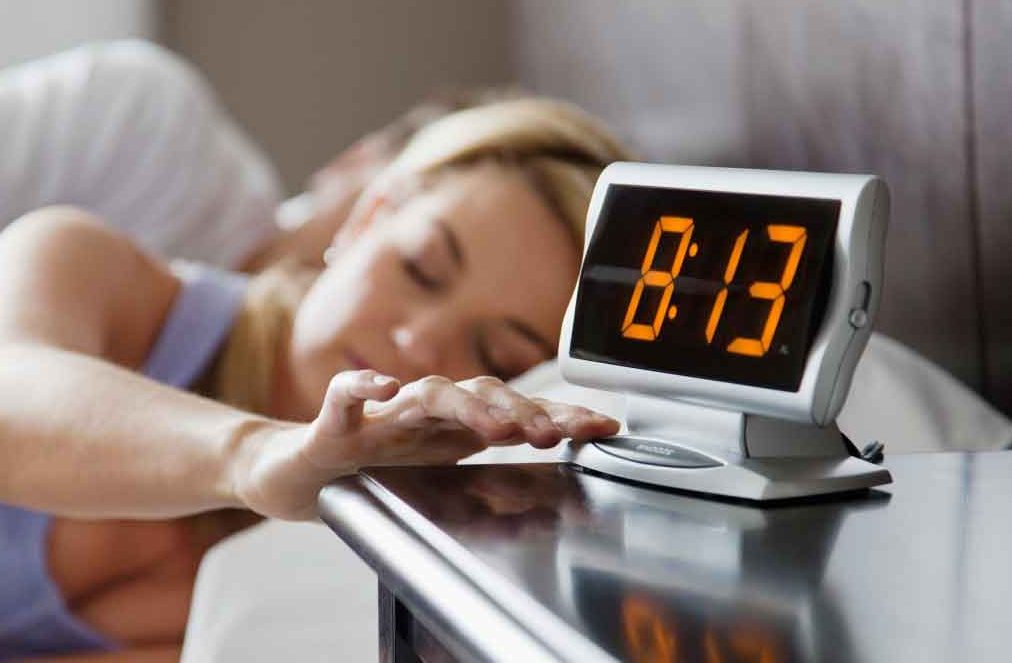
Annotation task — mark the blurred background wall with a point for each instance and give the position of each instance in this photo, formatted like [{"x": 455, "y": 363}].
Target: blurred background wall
[
  {"x": 32, "y": 28},
  {"x": 307, "y": 77},
  {"x": 914, "y": 90}
]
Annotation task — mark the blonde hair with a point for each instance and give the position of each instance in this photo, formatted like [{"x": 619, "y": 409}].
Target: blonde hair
[{"x": 559, "y": 148}]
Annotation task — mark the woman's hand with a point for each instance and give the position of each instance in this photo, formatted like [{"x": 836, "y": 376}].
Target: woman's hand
[{"x": 370, "y": 419}]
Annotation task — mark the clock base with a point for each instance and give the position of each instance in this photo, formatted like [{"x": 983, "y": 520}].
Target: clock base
[{"x": 660, "y": 462}]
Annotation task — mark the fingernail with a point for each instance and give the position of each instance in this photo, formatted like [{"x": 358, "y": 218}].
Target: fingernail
[
  {"x": 382, "y": 379},
  {"x": 500, "y": 414}
]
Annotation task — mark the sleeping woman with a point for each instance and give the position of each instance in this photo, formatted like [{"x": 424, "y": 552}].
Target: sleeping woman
[{"x": 134, "y": 394}]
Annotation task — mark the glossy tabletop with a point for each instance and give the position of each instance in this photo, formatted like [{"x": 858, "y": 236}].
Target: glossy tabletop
[{"x": 542, "y": 562}]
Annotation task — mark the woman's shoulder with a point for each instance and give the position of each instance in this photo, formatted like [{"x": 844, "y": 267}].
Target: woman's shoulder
[
  {"x": 61, "y": 228},
  {"x": 68, "y": 279}
]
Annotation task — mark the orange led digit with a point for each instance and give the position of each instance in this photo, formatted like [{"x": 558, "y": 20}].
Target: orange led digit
[
  {"x": 757, "y": 347},
  {"x": 742, "y": 643},
  {"x": 796, "y": 236},
  {"x": 751, "y": 642},
  {"x": 657, "y": 278},
  {"x": 641, "y": 331},
  {"x": 775, "y": 292},
  {"x": 649, "y": 638},
  {"x": 732, "y": 267},
  {"x": 711, "y": 647}
]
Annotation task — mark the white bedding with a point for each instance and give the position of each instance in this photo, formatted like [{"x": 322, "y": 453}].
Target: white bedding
[
  {"x": 133, "y": 133},
  {"x": 284, "y": 590}
]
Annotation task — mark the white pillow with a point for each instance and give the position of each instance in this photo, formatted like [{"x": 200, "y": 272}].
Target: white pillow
[
  {"x": 911, "y": 404},
  {"x": 135, "y": 134},
  {"x": 283, "y": 591}
]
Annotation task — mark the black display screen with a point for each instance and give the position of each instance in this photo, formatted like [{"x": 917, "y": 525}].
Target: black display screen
[{"x": 722, "y": 286}]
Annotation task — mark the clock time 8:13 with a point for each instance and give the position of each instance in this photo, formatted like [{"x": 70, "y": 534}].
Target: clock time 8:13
[{"x": 773, "y": 291}]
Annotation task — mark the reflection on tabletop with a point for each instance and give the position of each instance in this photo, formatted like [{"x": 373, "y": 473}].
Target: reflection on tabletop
[{"x": 656, "y": 576}]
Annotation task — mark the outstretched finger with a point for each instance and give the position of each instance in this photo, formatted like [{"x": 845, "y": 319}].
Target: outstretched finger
[
  {"x": 346, "y": 394},
  {"x": 579, "y": 422},
  {"x": 538, "y": 427},
  {"x": 441, "y": 399}
]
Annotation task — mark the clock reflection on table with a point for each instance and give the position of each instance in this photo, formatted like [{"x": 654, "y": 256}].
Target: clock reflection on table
[
  {"x": 654, "y": 575},
  {"x": 726, "y": 582}
]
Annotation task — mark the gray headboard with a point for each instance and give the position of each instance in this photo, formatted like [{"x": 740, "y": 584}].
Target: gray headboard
[{"x": 917, "y": 91}]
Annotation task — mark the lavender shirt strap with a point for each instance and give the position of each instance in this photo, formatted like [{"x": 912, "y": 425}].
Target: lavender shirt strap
[{"x": 198, "y": 323}]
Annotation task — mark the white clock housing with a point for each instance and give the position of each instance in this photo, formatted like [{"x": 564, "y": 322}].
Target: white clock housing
[
  {"x": 706, "y": 416},
  {"x": 853, "y": 299}
]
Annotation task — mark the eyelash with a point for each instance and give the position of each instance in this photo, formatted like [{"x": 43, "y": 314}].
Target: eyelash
[
  {"x": 487, "y": 362},
  {"x": 419, "y": 277}
]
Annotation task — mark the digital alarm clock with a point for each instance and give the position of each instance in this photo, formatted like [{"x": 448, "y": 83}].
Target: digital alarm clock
[{"x": 731, "y": 306}]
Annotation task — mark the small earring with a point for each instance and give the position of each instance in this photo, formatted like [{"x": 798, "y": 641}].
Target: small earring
[{"x": 328, "y": 255}]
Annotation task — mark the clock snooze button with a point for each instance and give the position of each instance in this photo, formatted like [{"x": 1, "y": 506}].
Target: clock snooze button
[{"x": 653, "y": 452}]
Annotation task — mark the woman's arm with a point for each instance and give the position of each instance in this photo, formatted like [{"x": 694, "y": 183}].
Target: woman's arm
[{"x": 82, "y": 435}]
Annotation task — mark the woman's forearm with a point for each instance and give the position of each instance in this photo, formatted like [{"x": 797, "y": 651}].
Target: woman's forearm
[{"x": 82, "y": 437}]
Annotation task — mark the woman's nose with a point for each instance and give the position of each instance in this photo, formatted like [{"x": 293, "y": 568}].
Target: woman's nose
[{"x": 423, "y": 343}]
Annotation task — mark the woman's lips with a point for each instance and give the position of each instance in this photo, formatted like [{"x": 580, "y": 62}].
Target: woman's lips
[{"x": 355, "y": 361}]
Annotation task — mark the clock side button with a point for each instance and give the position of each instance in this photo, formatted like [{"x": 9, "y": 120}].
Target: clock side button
[
  {"x": 859, "y": 315},
  {"x": 858, "y": 318}
]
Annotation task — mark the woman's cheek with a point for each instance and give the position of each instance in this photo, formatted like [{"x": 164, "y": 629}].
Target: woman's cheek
[{"x": 377, "y": 290}]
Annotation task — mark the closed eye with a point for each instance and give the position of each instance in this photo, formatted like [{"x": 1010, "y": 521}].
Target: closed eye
[
  {"x": 488, "y": 363},
  {"x": 506, "y": 354},
  {"x": 419, "y": 276}
]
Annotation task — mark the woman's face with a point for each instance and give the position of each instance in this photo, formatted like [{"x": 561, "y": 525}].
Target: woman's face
[{"x": 467, "y": 276}]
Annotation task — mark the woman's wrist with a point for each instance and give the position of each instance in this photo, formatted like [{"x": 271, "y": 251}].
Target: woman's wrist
[
  {"x": 243, "y": 444},
  {"x": 268, "y": 472}
]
